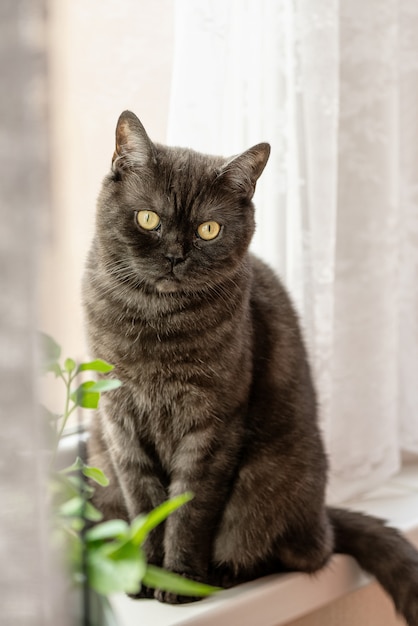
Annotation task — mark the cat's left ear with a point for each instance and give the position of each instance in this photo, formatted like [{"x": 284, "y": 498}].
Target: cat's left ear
[
  {"x": 244, "y": 170},
  {"x": 133, "y": 146}
]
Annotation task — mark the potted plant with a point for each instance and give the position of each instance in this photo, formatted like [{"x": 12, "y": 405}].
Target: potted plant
[{"x": 101, "y": 557}]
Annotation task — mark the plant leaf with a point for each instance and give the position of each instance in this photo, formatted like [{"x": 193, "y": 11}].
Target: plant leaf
[
  {"x": 106, "y": 385},
  {"x": 72, "y": 508},
  {"x": 116, "y": 528},
  {"x": 77, "y": 524},
  {"x": 85, "y": 398},
  {"x": 81, "y": 486},
  {"x": 120, "y": 571},
  {"x": 87, "y": 395},
  {"x": 55, "y": 368},
  {"x": 77, "y": 507},
  {"x": 142, "y": 525},
  {"x": 50, "y": 353},
  {"x": 63, "y": 489},
  {"x": 96, "y": 366},
  {"x": 77, "y": 465},
  {"x": 69, "y": 365},
  {"x": 96, "y": 474},
  {"x": 91, "y": 513},
  {"x": 158, "y": 578}
]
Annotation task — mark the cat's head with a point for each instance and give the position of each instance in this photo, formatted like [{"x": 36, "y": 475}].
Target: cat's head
[{"x": 172, "y": 219}]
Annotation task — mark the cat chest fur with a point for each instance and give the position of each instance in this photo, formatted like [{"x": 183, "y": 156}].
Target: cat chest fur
[
  {"x": 176, "y": 365},
  {"x": 182, "y": 362}
]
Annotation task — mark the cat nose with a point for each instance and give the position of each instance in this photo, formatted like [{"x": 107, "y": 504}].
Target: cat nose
[{"x": 174, "y": 260}]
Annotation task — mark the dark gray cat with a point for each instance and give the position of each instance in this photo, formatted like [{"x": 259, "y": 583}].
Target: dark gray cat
[{"x": 217, "y": 396}]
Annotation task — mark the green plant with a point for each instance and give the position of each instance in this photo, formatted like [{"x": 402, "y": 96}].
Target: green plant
[{"x": 108, "y": 556}]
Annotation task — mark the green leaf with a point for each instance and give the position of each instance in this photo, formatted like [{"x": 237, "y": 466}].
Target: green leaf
[
  {"x": 77, "y": 507},
  {"x": 63, "y": 489},
  {"x": 77, "y": 524},
  {"x": 108, "y": 530},
  {"x": 122, "y": 570},
  {"x": 81, "y": 486},
  {"x": 55, "y": 368},
  {"x": 142, "y": 525},
  {"x": 85, "y": 398},
  {"x": 91, "y": 513},
  {"x": 50, "y": 353},
  {"x": 77, "y": 465},
  {"x": 69, "y": 365},
  {"x": 87, "y": 395},
  {"x": 96, "y": 366},
  {"x": 158, "y": 578},
  {"x": 89, "y": 400},
  {"x": 96, "y": 474},
  {"x": 106, "y": 385},
  {"x": 72, "y": 508}
]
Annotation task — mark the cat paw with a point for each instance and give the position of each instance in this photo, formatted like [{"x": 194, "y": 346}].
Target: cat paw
[
  {"x": 169, "y": 597},
  {"x": 144, "y": 592}
]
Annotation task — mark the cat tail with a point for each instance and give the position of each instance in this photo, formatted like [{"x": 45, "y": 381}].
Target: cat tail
[{"x": 383, "y": 552}]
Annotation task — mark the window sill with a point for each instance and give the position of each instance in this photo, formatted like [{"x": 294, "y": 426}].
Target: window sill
[{"x": 277, "y": 600}]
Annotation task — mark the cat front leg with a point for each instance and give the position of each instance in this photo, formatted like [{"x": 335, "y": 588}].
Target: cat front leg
[
  {"x": 143, "y": 491},
  {"x": 188, "y": 541},
  {"x": 204, "y": 468},
  {"x": 141, "y": 482}
]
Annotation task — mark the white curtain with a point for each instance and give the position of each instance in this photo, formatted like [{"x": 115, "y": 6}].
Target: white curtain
[{"x": 333, "y": 86}]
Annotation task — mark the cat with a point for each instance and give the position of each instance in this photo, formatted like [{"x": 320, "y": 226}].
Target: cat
[{"x": 217, "y": 394}]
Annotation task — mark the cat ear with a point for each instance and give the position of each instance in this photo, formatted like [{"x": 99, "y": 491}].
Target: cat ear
[
  {"x": 243, "y": 171},
  {"x": 133, "y": 146}
]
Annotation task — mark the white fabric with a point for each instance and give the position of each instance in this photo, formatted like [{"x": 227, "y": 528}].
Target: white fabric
[{"x": 333, "y": 86}]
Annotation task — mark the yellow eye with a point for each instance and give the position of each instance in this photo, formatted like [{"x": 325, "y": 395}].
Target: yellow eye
[
  {"x": 208, "y": 230},
  {"x": 148, "y": 220}
]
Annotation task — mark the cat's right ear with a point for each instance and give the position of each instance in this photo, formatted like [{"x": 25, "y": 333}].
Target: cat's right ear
[
  {"x": 133, "y": 146},
  {"x": 243, "y": 171}
]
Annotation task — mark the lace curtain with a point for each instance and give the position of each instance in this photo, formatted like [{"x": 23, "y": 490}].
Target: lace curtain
[{"x": 333, "y": 86}]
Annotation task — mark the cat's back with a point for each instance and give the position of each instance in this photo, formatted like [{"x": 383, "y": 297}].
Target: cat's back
[
  {"x": 280, "y": 361},
  {"x": 272, "y": 309}
]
